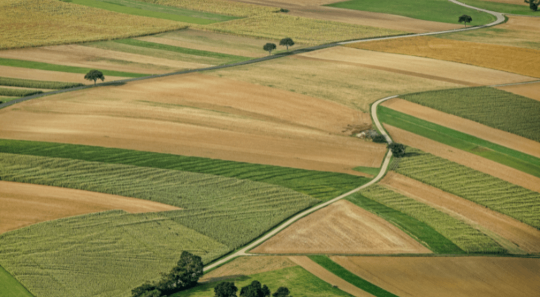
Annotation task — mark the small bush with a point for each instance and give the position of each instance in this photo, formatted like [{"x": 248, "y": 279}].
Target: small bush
[
  {"x": 379, "y": 139},
  {"x": 397, "y": 149}
]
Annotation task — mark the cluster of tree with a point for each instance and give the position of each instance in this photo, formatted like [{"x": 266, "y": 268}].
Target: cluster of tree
[
  {"x": 228, "y": 289},
  {"x": 533, "y": 4},
  {"x": 184, "y": 275},
  {"x": 288, "y": 42},
  {"x": 94, "y": 75},
  {"x": 398, "y": 150}
]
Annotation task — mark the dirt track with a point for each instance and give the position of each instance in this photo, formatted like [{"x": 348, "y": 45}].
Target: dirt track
[{"x": 527, "y": 90}]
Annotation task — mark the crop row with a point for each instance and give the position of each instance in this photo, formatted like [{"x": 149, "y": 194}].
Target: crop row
[
  {"x": 18, "y": 92},
  {"x": 37, "y": 84}
]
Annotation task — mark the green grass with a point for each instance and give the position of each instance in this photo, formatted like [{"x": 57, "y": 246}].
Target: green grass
[
  {"x": 368, "y": 170},
  {"x": 494, "y": 193},
  {"x": 59, "y": 68},
  {"x": 503, "y": 7},
  {"x": 343, "y": 273},
  {"x": 6, "y": 99},
  {"x": 506, "y": 156},
  {"x": 418, "y": 230},
  {"x": 37, "y": 84},
  {"x": 320, "y": 185},
  {"x": 17, "y": 92},
  {"x": 430, "y": 10},
  {"x": 492, "y": 107},
  {"x": 300, "y": 283},
  {"x": 463, "y": 235},
  {"x": 139, "y": 8},
  {"x": 10, "y": 287}
]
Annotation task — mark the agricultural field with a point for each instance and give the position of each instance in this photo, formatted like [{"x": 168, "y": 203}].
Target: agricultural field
[
  {"x": 10, "y": 287},
  {"x": 515, "y": 7},
  {"x": 224, "y": 7},
  {"x": 52, "y": 74},
  {"x": 531, "y": 90}
]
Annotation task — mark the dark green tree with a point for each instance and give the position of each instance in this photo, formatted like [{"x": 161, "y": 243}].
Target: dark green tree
[
  {"x": 465, "y": 19},
  {"x": 379, "y": 139},
  {"x": 269, "y": 47},
  {"x": 398, "y": 150},
  {"x": 286, "y": 42},
  {"x": 281, "y": 292},
  {"x": 265, "y": 291},
  {"x": 148, "y": 289},
  {"x": 225, "y": 289},
  {"x": 94, "y": 75},
  {"x": 533, "y": 4},
  {"x": 255, "y": 290}
]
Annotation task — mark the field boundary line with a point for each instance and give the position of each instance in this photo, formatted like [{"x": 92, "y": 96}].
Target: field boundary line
[{"x": 515, "y": 83}]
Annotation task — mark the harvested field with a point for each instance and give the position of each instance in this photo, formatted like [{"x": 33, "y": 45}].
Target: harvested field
[
  {"x": 244, "y": 266},
  {"x": 449, "y": 276},
  {"x": 526, "y": 90},
  {"x": 466, "y": 126},
  {"x": 514, "y": 234},
  {"x": 197, "y": 115},
  {"x": 465, "y": 158},
  {"x": 342, "y": 228},
  {"x": 34, "y": 74},
  {"x": 26, "y": 204},
  {"x": 504, "y": 58}
]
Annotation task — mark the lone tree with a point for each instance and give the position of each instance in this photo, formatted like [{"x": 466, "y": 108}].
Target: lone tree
[
  {"x": 281, "y": 292},
  {"x": 286, "y": 42},
  {"x": 225, "y": 289},
  {"x": 533, "y": 4},
  {"x": 269, "y": 47},
  {"x": 397, "y": 149},
  {"x": 255, "y": 290},
  {"x": 94, "y": 75},
  {"x": 465, "y": 19}
]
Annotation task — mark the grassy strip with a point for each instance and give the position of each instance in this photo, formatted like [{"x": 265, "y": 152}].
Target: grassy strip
[
  {"x": 343, "y": 273},
  {"x": 420, "y": 231},
  {"x": 506, "y": 8},
  {"x": 489, "y": 106},
  {"x": 138, "y": 8},
  {"x": 368, "y": 170},
  {"x": 6, "y": 100},
  {"x": 138, "y": 43},
  {"x": 321, "y": 185},
  {"x": 18, "y": 92},
  {"x": 10, "y": 287},
  {"x": 37, "y": 84},
  {"x": 494, "y": 193},
  {"x": 430, "y": 10},
  {"x": 59, "y": 68},
  {"x": 506, "y": 156}
]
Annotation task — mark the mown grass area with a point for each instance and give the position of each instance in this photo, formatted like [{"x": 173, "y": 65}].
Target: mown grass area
[
  {"x": 512, "y": 36},
  {"x": 60, "y": 68},
  {"x": 492, "y": 107},
  {"x": 368, "y": 170},
  {"x": 300, "y": 283},
  {"x": 10, "y": 287},
  {"x": 144, "y": 9},
  {"x": 418, "y": 230},
  {"x": 494, "y": 193},
  {"x": 343, "y": 273},
  {"x": 6, "y": 99},
  {"x": 430, "y": 10},
  {"x": 101, "y": 254},
  {"x": 320, "y": 185},
  {"x": 37, "y": 84},
  {"x": 223, "y": 7},
  {"x": 463, "y": 235},
  {"x": 18, "y": 92},
  {"x": 506, "y": 156},
  {"x": 506, "y": 8}
]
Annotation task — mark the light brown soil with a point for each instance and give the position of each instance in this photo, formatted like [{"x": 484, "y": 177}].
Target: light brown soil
[
  {"x": 247, "y": 265},
  {"x": 466, "y": 126},
  {"x": 449, "y": 276},
  {"x": 465, "y": 158},
  {"x": 319, "y": 271},
  {"x": 199, "y": 115},
  {"x": 342, "y": 228},
  {"x": 524, "y": 236},
  {"x": 418, "y": 66},
  {"x": 34, "y": 74},
  {"x": 527, "y": 90},
  {"x": 521, "y": 23},
  {"x": 26, "y": 204}
]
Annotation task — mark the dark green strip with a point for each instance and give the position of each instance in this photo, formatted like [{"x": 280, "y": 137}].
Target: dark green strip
[
  {"x": 18, "y": 92},
  {"x": 37, "y": 84}
]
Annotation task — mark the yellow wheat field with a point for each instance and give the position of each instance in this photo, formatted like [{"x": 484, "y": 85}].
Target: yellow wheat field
[
  {"x": 222, "y": 7},
  {"x": 505, "y": 58},
  {"x": 27, "y": 23}
]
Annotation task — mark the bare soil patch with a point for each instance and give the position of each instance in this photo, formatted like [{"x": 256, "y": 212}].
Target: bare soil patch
[
  {"x": 527, "y": 90},
  {"x": 449, "y": 276},
  {"x": 524, "y": 236},
  {"x": 247, "y": 265},
  {"x": 34, "y": 74},
  {"x": 26, "y": 204},
  {"x": 465, "y": 158},
  {"x": 466, "y": 126},
  {"x": 342, "y": 228}
]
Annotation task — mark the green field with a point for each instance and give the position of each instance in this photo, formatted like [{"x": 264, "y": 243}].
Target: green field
[
  {"x": 144, "y": 9},
  {"x": 492, "y": 107},
  {"x": 498, "y": 36},
  {"x": 59, "y": 68},
  {"x": 430, "y": 10},
  {"x": 506, "y": 156},
  {"x": 343, "y": 273},
  {"x": 503, "y": 7},
  {"x": 496, "y": 194},
  {"x": 6, "y": 99},
  {"x": 37, "y": 84},
  {"x": 418, "y": 230},
  {"x": 320, "y": 185},
  {"x": 368, "y": 170},
  {"x": 10, "y": 287},
  {"x": 300, "y": 283},
  {"x": 18, "y": 92},
  {"x": 463, "y": 235}
]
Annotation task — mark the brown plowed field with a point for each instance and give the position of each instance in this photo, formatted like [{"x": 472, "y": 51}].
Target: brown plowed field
[
  {"x": 199, "y": 115},
  {"x": 247, "y": 265},
  {"x": 418, "y": 66},
  {"x": 484, "y": 132},
  {"x": 34, "y": 74},
  {"x": 524, "y": 236},
  {"x": 319, "y": 271},
  {"x": 342, "y": 228},
  {"x": 449, "y": 276},
  {"x": 26, "y": 204},
  {"x": 465, "y": 158},
  {"x": 504, "y": 58},
  {"x": 527, "y": 90}
]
